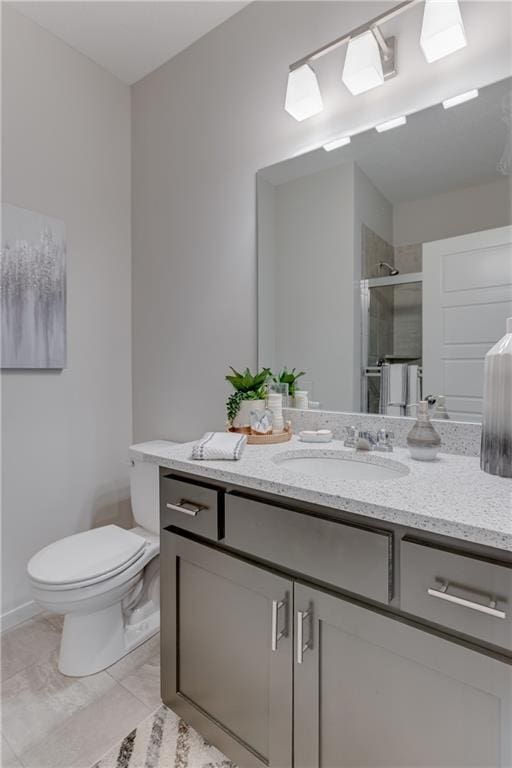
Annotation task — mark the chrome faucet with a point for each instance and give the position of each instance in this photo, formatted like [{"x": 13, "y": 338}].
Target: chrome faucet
[{"x": 363, "y": 440}]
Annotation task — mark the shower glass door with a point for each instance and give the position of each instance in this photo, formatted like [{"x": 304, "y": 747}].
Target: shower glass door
[{"x": 391, "y": 329}]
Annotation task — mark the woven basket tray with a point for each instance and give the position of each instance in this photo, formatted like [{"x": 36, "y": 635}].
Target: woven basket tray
[{"x": 272, "y": 439}]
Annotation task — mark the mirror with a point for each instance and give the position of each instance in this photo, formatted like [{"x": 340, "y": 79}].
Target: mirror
[{"x": 385, "y": 265}]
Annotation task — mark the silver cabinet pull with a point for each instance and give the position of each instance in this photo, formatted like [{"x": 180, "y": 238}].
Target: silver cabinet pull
[
  {"x": 302, "y": 646},
  {"x": 187, "y": 507},
  {"x": 276, "y": 635},
  {"x": 443, "y": 594}
]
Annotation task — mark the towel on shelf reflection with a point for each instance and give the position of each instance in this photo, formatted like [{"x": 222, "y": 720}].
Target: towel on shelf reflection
[
  {"x": 220, "y": 445},
  {"x": 393, "y": 389},
  {"x": 413, "y": 390},
  {"x": 400, "y": 389}
]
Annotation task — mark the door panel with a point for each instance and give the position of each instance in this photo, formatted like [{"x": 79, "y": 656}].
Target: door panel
[
  {"x": 224, "y": 661},
  {"x": 372, "y": 691},
  {"x": 220, "y": 672},
  {"x": 467, "y": 296}
]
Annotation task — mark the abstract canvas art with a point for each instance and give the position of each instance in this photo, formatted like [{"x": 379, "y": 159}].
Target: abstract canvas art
[{"x": 33, "y": 290}]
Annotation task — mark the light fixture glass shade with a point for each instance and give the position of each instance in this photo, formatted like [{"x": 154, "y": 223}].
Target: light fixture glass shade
[
  {"x": 363, "y": 64},
  {"x": 303, "y": 97},
  {"x": 442, "y": 31}
]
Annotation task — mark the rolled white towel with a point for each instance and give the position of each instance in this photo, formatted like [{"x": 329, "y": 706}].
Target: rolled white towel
[{"x": 220, "y": 445}]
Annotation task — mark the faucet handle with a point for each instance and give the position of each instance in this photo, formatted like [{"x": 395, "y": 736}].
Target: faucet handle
[
  {"x": 384, "y": 438},
  {"x": 350, "y": 440}
]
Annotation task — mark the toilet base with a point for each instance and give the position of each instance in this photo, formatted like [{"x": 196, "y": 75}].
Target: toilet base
[{"x": 91, "y": 642}]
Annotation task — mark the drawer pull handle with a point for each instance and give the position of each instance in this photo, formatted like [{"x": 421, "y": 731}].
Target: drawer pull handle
[
  {"x": 187, "y": 507},
  {"x": 302, "y": 646},
  {"x": 276, "y": 635},
  {"x": 443, "y": 594}
]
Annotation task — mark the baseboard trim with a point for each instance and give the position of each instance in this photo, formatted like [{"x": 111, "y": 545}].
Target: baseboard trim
[{"x": 18, "y": 615}]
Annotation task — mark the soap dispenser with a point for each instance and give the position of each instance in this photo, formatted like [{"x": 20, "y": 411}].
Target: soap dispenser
[
  {"x": 496, "y": 448},
  {"x": 423, "y": 440}
]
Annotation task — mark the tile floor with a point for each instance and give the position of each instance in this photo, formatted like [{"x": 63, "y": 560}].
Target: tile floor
[{"x": 53, "y": 721}]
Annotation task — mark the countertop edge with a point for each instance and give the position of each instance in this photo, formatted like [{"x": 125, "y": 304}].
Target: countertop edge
[{"x": 432, "y": 524}]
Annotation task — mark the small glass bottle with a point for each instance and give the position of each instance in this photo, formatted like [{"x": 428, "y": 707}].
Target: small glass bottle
[{"x": 423, "y": 441}]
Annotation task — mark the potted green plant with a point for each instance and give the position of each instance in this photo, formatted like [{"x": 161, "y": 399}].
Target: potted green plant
[
  {"x": 290, "y": 378},
  {"x": 249, "y": 395}
]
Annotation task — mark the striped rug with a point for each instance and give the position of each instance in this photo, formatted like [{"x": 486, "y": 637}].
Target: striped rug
[{"x": 163, "y": 740}]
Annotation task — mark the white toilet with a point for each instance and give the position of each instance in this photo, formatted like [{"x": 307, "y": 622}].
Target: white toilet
[{"x": 106, "y": 582}]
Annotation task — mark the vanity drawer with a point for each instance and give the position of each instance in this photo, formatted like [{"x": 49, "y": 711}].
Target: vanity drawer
[
  {"x": 465, "y": 593},
  {"x": 192, "y": 507},
  {"x": 350, "y": 557}
]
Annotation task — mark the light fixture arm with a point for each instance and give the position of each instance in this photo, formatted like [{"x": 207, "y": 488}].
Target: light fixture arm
[
  {"x": 369, "y": 25},
  {"x": 386, "y": 49}
]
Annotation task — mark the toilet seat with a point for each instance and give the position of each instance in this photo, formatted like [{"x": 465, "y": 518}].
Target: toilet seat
[{"x": 86, "y": 558}]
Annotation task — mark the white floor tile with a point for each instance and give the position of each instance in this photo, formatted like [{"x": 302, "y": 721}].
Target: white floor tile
[
  {"x": 26, "y": 644},
  {"x": 53, "y": 721},
  {"x": 7, "y": 757},
  {"x": 82, "y": 739},
  {"x": 139, "y": 672}
]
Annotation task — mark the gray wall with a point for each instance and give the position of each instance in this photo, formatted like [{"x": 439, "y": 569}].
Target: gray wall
[
  {"x": 203, "y": 124},
  {"x": 66, "y": 153},
  {"x": 456, "y": 212},
  {"x": 315, "y": 274}
]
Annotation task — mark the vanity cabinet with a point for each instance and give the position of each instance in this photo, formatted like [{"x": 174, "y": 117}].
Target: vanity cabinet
[
  {"x": 227, "y": 650},
  {"x": 270, "y": 653}
]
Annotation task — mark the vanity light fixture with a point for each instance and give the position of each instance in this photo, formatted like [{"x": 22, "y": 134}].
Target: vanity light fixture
[
  {"x": 362, "y": 70},
  {"x": 460, "y": 99},
  {"x": 341, "y": 142},
  {"x": 389, "y": 124},
  {"x": 377, "y": 57},
  {"x": 370, "y": 58},
  {"x": 303, "y": 97},
  {"x": 442, "y": 31}
]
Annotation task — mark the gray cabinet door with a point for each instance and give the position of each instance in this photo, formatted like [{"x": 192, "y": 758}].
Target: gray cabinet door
[
  {"x": 227, "y": 651},
  {"x": 372, "y": 691}
]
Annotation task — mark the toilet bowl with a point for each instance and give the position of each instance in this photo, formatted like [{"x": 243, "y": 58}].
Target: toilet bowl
[{"x": 105, "y": 582}]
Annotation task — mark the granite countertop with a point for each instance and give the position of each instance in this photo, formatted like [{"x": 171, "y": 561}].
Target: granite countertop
[{"x": 450, "y": 496}]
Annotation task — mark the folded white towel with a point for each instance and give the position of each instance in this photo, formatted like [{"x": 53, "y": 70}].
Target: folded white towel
[
  {"x": 393, "y": 389},
  {"x": 413, "y": 390},
  {"x": 220, "y": 445}
]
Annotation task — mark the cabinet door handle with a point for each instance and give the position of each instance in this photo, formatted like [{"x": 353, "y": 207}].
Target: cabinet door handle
[
  {"x": 276, "y": 635},
  {"x": 187, "y": 507},
  {"x": 443, "y": 594},
  {"x": 302, "y": 646}
]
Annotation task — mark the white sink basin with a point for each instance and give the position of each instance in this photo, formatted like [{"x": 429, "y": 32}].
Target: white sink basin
[{"x": 340, "y": 466}]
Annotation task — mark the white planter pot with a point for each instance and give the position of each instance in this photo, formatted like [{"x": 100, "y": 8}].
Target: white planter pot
[{"x": 243, "y": 417}]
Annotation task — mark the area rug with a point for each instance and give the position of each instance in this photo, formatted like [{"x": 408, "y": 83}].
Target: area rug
[{"x": 164, "y": 740}]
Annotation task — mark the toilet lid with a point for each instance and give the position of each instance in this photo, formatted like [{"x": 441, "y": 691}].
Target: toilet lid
[{"x": 86, "y": 557}]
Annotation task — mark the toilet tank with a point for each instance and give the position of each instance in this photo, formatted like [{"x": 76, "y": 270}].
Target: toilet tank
[{"x": 145, "y": 495}]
